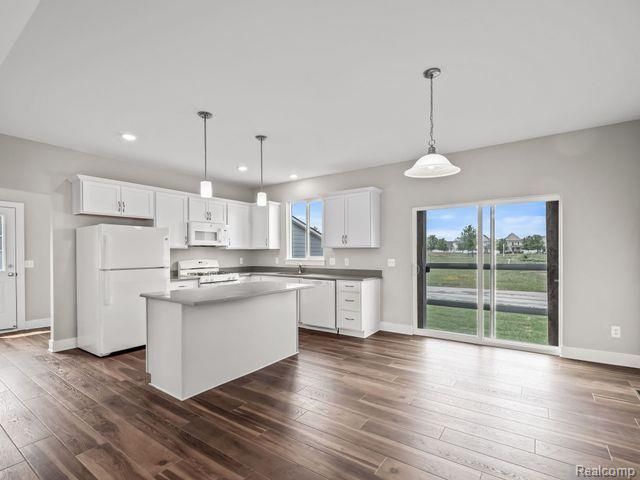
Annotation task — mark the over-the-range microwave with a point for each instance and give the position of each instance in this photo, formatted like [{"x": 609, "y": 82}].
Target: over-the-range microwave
[{"x": 202, "y": 234}]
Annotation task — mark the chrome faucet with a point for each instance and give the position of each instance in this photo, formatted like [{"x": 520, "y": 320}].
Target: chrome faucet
[{"x": 299, "y": 269}]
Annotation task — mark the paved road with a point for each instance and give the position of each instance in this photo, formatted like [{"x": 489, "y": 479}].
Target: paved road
[{"x": 503, "y": 297}]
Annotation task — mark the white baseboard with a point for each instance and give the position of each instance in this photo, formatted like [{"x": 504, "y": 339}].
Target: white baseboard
[
  {"x": 396, "y": 328},
  {"x": 37, "y": 323},
  {"x": 601, "y": 356},
  {"x": 64, "y": 344}
]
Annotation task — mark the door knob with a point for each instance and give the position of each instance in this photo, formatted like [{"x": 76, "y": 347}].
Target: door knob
[{"x": 11, "y": 274}]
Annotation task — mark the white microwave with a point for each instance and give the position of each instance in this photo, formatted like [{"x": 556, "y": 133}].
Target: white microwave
[{"x": 207, "y": 234}]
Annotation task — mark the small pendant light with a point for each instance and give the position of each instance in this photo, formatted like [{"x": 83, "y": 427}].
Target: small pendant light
[
  {"x": 261, "y": 197},
  {"x": 432, "y": 165},
  {"x": 206, "y": 187}
]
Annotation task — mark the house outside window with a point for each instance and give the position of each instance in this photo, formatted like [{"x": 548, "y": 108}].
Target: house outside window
[{"x": 304, "y": 232}]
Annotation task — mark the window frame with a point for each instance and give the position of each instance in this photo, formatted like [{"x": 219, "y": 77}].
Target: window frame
[{"x": 308, "y": 259}]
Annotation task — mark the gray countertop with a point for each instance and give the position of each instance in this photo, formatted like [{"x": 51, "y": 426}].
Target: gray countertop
[
  {"x": 314, "y": 276},
  {"x": 195, "y": 297}
]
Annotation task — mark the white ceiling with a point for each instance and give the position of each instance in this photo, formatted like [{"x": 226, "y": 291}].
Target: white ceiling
[{"x": 335, "y": 84}]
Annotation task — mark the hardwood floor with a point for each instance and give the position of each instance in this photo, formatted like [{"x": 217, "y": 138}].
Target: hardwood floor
[{"x": 389, "y": 407}]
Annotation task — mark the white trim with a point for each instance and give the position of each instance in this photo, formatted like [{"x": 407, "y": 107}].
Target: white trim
[
  {"x": 64, "y": 344},
  {"x": 38, "y": 323},
  {"x": 601, "y": 356},
  {"x": 484, "y": 341},
  {"x": 305, "y": 261},
  {"x": 19, "y": 261},
  {"x": 396, "y": 328}
]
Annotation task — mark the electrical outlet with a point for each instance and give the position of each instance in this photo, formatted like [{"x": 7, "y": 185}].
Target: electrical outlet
[
  {"x": 277, "y": 260},
  {"x": 28, "y": 264},
  {"x": 241, "y": 260},
  {"x": 391, "y": 262},
  {"x": 332, "y": 260},
  {"x": 346, "y": 262},
  {"x": 615, "y": 331}
]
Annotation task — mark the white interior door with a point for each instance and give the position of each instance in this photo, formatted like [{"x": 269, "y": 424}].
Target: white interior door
[
  {"x": 8, "y": 291},
  {"x": 358, "y": 211}
]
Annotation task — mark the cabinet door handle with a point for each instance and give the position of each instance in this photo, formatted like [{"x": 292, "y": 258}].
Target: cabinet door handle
[
  {"x": 123, "y": 206},
  {"x": 119, "y": 206},
  {"x": 186, "y": 239}
]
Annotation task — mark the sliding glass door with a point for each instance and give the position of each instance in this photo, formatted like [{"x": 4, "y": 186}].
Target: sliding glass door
[{"x": 489, "y": 272}]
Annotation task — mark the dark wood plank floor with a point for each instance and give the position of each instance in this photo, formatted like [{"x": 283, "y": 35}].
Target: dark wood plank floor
[{"x": 389, "y": 407}]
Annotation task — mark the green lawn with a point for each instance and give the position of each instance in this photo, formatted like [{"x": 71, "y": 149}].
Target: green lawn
[
  {"x": 530, "y": 281},
  {"x": 509, "y": 326},
  {"x": 449, "y": 257}
]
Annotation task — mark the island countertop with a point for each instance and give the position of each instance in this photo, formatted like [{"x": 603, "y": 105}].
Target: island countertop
[{"x": 194, "y": 297}]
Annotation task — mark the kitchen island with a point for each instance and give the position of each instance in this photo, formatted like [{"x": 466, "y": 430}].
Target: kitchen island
[{"x": 200, "y": 338}]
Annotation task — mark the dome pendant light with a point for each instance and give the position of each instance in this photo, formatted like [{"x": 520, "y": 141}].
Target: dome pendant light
[
  {"x": 432, "y": 165},
  {"x": 261, "y": 197},
  {"x": 206, "y": 187}
]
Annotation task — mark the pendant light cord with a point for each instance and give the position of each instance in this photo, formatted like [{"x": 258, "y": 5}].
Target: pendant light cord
[
  {"x": 261, "y": 180},
  {"x": 205, "y": 147},
  {"x": 432, "y": 142}
]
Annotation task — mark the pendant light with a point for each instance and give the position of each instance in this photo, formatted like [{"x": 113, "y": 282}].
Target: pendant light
[
  {"x": 261, "y": 197},
  {"x": 432, "y": 165},
  {"x": 206, "y": 187}
]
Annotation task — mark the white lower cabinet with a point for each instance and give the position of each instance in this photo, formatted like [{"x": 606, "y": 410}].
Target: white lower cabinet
[{"x": 358, "y": 307}]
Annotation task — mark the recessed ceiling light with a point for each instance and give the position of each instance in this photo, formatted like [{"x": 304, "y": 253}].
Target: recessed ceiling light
[
  {"x": 242, "y": 168},
  {"x": 129, "y": 137},
  {"x": 293, "y": 176}
]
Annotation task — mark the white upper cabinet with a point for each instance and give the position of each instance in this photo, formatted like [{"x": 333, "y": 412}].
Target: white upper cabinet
[
  {"x": 239, "y": 225},
  {"x": 351, "y": 219},
  {"x": 136, "y": 202},
  {"x": 207, "y": 210},
  {"x": 96, "y": 196},
  {"x": 172, "y": 212},
  {"x": 265, "y": 226},
  {"x": 99, "y": 198},
  {"x": 333, "y": 222}
]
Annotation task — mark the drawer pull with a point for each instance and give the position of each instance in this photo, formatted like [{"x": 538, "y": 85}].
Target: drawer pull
[
  {"x": 347, "y": 318},
  {"x": 347, "y": 300},
  {"x": 349, "y": 286}
]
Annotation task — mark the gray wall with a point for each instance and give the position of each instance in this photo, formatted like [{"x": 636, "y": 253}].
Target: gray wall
[
  {"x": 44, "y": 169},
  {"x": 597, "y": 174}
]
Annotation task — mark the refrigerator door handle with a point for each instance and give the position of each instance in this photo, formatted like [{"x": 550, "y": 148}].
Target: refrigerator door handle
[
  {"x": 106, "y": 257},
  {"x": 106, "y": 285}
]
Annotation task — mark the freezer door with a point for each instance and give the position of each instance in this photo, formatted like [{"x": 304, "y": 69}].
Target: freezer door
[
  {"x": 126, "y": 246},
  {"x": 123, "y": 318}
]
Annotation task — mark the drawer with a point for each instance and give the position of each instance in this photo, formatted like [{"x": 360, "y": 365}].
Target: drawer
[
  {"x": 349, "y": 320},
  {"x": 349, "y": 301},
  {"x": 182, "y": 284},
  {"x": 349, "y": 286}
]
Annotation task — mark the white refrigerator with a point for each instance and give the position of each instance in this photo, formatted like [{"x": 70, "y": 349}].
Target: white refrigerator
[{"x": 114, "y": 265}]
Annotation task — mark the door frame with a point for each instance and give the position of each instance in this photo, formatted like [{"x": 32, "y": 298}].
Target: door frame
[
  {"x": 19, "y": 267},
  {"x": 481, "y": 340}
]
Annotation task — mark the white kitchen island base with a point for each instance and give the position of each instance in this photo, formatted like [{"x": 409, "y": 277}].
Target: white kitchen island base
[{"x": 198, "y": 345}]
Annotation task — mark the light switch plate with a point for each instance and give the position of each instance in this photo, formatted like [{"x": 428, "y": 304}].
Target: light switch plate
[
  {"x": 615, "y": 331},
  {"x": 332, "y": 260},
  {"x": 241, "y": 260},
  {"x": 28, "y": 264},
  {"x": 277, "y": 260},
  {"x": 346, "y": 262},
  {"x": 391, "y": 262}
]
